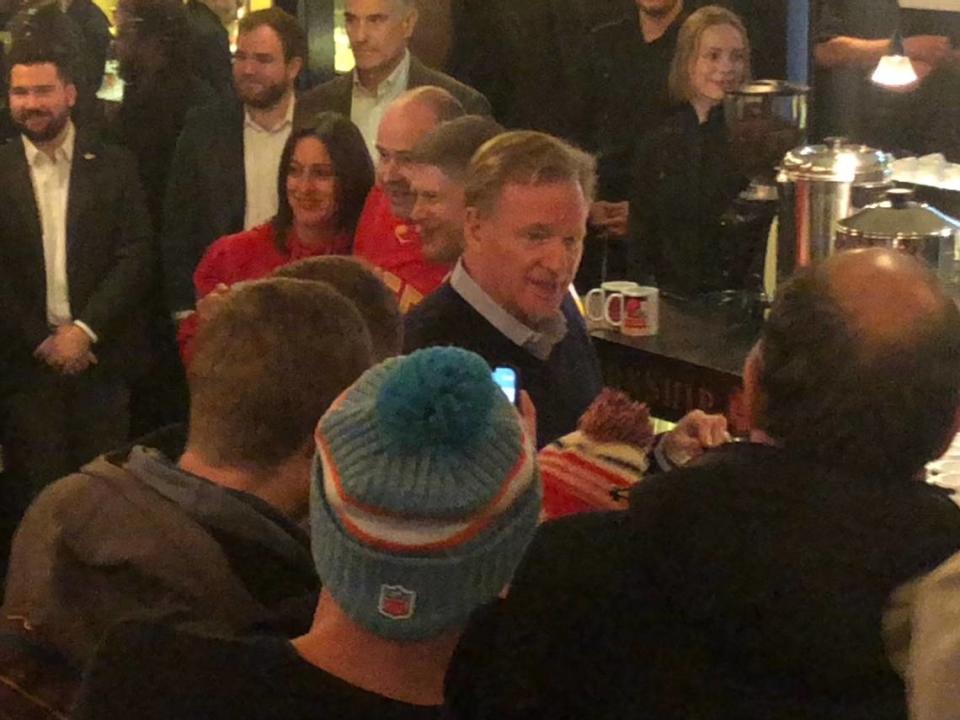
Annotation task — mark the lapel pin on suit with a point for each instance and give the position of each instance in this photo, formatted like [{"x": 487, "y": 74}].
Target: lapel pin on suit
[{"x": 89, "y": 156}]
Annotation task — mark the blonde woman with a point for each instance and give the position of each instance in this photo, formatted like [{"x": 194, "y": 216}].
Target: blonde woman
[{"x": 685, "y": 178}]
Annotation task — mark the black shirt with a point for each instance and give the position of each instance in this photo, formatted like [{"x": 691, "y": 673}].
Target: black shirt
[
  {"x": 847, "y": 104},
  {"x": 624, "y": 96},
  {"x": 151, "y": 672},
  {"x": 686, "y": 180},
  {"x": 751, "y": 585}
]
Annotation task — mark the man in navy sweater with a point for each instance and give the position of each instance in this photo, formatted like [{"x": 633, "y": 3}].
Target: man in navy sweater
[{"x": 527, "y": 197}]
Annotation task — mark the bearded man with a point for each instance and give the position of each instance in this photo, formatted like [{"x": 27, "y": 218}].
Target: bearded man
[
  {"x": 74, "y": 266},
  {"x": 223, "y": 175}
]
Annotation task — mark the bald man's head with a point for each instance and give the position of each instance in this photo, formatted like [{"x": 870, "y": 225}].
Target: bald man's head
[
  {"x": 859, "y": 364},
  {"x": 407, "y": 120}
]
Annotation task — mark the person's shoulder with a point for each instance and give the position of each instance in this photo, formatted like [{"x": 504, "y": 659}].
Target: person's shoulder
[
  {"x": 203, "y": 21},
  {"x": 436, "y": 320},
  {"x": 330, "y": 88},
  {"x": 75, "y": 497},
  {"x": 89, "y": 14},
  {"x": 213, "y": 115},
  {"x": 11, "y": 147},
  {"x": 148, "y": 670},
  {"x": 255, "y": 236},
  {"x": 421, "y": 74},
  {"x": 612, "y": 31},
  {"x": 334, "y": 95},
  {"x": 90, "y": 146}
]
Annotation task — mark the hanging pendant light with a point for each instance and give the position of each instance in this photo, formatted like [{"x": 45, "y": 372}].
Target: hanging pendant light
[{"x": 895, "y": 69}]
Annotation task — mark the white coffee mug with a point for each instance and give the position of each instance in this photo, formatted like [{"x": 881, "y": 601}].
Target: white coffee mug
[
  {"x": 595, "y": 302},
  {"x": 634, "y": 311}
]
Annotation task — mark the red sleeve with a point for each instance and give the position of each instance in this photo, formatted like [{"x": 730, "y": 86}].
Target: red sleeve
[
  {"x": 213, "y": 267},
  {"x": 186, "y": 331}
]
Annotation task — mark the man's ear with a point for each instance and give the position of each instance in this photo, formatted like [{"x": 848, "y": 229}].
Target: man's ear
[
  {"x": 294, "y": 67},
  {"x": 472, "y": 228},
  {"x": 71, "y": 91},
  {"x": 410, "y": 22},
  {"x": 753, "y": 398}
]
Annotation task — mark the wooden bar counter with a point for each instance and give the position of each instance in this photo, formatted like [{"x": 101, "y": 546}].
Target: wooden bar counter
[{"x": 695, "y": 361}]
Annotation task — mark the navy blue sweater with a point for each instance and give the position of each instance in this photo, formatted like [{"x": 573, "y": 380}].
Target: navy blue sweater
[{"x": 561, "y": 387}]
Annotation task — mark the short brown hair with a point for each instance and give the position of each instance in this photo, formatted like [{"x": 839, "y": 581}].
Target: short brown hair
[
  {"x": 285, "y": 25},
  {"x": 267, "y": 366},
  {"x": 451, "y": 145},
  {"x": 354, "y": 279},
  {"x": 688, "y": 43},
  {"x": 525, "y": 157}
]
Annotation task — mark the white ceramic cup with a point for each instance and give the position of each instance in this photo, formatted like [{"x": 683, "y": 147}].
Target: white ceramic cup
[
  {"x": 634, "y": 311},
  {"x": 951, "y": 481},
  {"x": 595, "y": 302}
]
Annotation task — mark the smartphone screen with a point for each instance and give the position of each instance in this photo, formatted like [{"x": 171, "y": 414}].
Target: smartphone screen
[{"x": 506, "y": 378}]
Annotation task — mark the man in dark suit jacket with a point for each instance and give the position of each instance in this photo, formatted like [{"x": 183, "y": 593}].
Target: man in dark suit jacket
[
  {"x": 209, "y": 45},
  {"x": 379, "y": 31},
  {"x": 210, "y": 190},
  {"x": 74, "y": 265}
]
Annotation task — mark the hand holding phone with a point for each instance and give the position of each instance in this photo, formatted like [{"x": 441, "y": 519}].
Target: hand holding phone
[{"x": 508, "y": 379}]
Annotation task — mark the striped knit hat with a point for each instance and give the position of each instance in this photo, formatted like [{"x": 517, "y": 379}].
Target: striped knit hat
[{"x": 425, "y": 494}]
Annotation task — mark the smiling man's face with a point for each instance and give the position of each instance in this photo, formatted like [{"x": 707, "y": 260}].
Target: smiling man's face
[{"x": 525, "y": 252}]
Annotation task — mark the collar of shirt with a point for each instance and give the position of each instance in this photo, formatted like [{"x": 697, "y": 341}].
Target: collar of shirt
[
  {"x": 396, "y": 81},
  {"x": 64, "y": 152},
  {"x": 539, "y": 343},
  {"x": 249, "y": 122}
]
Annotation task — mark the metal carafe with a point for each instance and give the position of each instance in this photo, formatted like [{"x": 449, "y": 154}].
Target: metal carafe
[
  {"x": 911, "y": 227},
  {"x": 819, "y": 185}
]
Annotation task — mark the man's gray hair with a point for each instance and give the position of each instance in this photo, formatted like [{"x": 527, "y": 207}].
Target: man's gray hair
[{"x": 451, "y": 145}]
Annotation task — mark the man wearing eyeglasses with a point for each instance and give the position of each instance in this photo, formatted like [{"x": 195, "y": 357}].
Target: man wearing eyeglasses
[{"x": 386, "y": 236}]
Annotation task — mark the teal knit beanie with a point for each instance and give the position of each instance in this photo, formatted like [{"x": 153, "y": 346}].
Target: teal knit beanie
[{"x": 425, "y": 494}]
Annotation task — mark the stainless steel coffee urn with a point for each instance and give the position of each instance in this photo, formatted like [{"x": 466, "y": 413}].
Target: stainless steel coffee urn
[{"x": 819, "y": 185}]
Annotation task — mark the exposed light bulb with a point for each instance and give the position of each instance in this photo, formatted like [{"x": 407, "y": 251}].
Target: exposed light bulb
[{"x": 894, "y": 71}]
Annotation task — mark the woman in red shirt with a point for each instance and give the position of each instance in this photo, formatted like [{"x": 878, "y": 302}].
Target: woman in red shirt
[{"x": 325, "y": 175}]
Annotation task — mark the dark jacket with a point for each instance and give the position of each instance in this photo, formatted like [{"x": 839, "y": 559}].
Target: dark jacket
[
  {"x": 206, "y": 194},
  {"x": 622, "y": 96},
  {"x": 131, "y": 536},
  {"x": 149, "y": 122},
  {"x": 337, "y": 94},
  {"x": 754, "y": 585},
  {"x": 685, "y": 181},
  {"x": 95, "y": 26},
  {"x": 209, "y": 49},
  {"x": 109, "y": 247}
]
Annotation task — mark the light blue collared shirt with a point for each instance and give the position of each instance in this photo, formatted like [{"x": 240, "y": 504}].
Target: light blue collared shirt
[{"x": 539, "y": 343}]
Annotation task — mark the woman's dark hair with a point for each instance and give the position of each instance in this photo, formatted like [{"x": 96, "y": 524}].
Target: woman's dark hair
[{"x": 351, "y": 164}]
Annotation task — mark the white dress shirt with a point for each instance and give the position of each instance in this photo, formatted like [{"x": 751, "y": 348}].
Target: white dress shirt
[
  {"x": 367, "y": 107},
  {"x": 262, "y": 149},
  {"x": 51, "y": 190}
]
